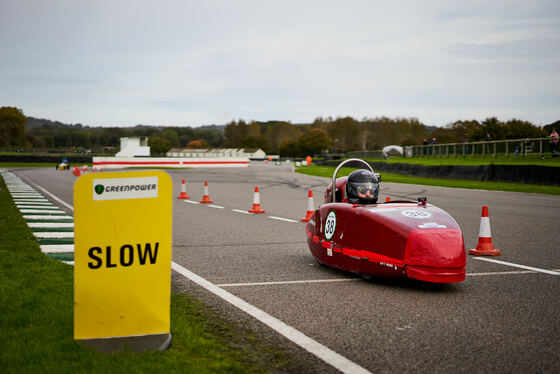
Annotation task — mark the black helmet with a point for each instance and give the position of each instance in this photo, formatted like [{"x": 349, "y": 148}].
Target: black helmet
[{"x": 362, "y": 187}]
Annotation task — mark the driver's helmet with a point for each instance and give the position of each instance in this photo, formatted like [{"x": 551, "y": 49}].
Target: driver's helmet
[{"x": 362, "y": 187}]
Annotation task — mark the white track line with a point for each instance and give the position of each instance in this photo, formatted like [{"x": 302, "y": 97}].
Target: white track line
[
  {"x": 55, "y": 198},
  {"x": 517, "y": 265},
  {"x": 329, "y": 356},
  {"x": 240, "y": 211},
  {"x": 326, "y": 354},
  {"x": 191, "y": 202},
  {"x": 355, "y": 279},
  {"x": 282, "y": 219},
  {"x": 288, "y": 282},
  {"x": 216, "y": 206},
  {"x": 502, "y": 273}
]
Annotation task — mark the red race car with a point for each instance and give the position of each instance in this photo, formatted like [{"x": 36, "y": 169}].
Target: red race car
[{"x": 398, "y": 239}]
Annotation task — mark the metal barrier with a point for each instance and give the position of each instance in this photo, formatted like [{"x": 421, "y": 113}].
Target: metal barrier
[{"x": 511, "y": 147}]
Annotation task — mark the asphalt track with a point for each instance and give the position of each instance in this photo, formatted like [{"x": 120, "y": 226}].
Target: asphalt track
[{"x": 501, "y": 318}]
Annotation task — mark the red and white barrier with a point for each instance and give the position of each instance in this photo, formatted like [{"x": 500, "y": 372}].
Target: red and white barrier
[{"x": 170, "y": 162}]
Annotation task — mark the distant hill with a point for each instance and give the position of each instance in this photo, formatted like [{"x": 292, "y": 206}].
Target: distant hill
[{"x": 33, "y": 123}]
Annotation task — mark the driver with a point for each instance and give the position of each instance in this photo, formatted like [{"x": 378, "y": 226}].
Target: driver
[{"x": 362, "y": 187}]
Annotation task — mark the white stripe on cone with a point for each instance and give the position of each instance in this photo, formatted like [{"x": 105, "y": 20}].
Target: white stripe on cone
[{"x": 484, "y": 231}]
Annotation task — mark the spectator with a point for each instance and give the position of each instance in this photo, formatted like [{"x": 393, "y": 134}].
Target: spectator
[
  {"x": 553, "y": 141},
  {"x": 487, "y": 139},
  {"x": 424, "y": 146},
  {"x": 434, "y": 142}
]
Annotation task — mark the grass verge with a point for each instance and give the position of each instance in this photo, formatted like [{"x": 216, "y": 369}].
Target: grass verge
[
  {"x": 36, "y": 334},
  {"x": 8, "y": 165},
  {"x": 327, "y": 171}
]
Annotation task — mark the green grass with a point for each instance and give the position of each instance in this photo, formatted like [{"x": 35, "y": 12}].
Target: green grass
[
  {"x": 7, "y": 165},
  {"x": 437, "y": 161},
  {"x": 327, "y": 171},
  {"x": 36, "y": 320}
]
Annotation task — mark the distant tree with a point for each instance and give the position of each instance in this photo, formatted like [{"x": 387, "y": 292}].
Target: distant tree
[
  {"x": 197, "y": 144},
  {"x": 234, "y": 133},
  {"x": 517, "y": 129},
  {"x": 158, "y": 145},
  {"x": 171, "y": 135},
  {"x": 12, "y": 127},
  {"x": 288, "y": 147},
  {"x": 314, "y": 141},
  {"x": 278, "y": 132},
  {"x": 346, "y": 134},
  {"x": 213, "y": 137}
]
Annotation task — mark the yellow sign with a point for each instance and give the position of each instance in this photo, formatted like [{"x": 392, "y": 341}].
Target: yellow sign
[{"x": 122, "y": 258}]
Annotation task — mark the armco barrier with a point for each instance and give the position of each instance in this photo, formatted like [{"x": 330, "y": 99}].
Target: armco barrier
[{"x": 530, "y": 174}]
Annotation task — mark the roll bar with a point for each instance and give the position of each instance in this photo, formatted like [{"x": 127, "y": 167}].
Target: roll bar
[{"x": 339, "y": 166}]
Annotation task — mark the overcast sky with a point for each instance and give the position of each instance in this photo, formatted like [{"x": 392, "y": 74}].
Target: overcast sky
[{"x": 185, "y": 62}]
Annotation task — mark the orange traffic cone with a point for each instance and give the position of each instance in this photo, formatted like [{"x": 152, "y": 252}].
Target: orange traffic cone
[
  {"x": 76, "y": 171},
  {"x": 183, "y": 194},
  {"x": 206, "y": 197},
  {"x": 310, "y": 207},
  {"x": 484, "y": 246},
  {"x": 256, "y": 202}
]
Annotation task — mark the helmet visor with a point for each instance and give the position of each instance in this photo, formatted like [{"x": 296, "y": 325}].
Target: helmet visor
[{"x": 365, "y": 190}]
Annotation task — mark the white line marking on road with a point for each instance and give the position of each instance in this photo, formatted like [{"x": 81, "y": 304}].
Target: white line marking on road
[
  {"x": 502, "y": 273},
  {"x": 326, "y": 354},
  {"x": 216, "y": 206},
  {"x": 191, "y": 202},
  {"x": 517, "y": 265},
  {"x": 282, "y": 219},
  {"x": 288, "y": 282},
  {"x": 240, "y": 211},
  {"x": 55, "y": 198}
]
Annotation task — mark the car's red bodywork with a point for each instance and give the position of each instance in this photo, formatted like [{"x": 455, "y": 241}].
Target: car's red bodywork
[{"x": 392, "y": 239}]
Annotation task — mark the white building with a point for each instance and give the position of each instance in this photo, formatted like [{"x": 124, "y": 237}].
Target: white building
[
  {"x": 131, "y": 147},
  {"x": 252, "y": 154}
]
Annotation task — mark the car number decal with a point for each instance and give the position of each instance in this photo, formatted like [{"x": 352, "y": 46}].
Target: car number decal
[
  {"x": 330, "y": 225},
  {"x": 416, "y": 213}
]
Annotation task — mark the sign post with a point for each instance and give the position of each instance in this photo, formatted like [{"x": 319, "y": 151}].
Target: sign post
[{"x": 122, "y": 260}]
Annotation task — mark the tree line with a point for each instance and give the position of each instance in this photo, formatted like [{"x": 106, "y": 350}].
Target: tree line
[{"x": 337, "y": 135}]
